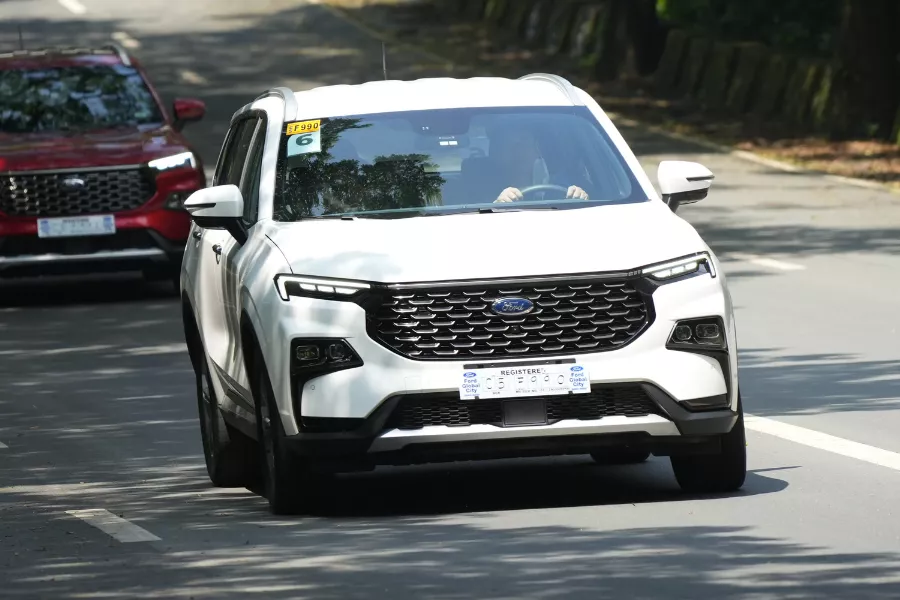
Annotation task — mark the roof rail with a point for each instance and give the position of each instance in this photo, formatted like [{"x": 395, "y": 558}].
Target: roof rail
[
  {"x": 290, "y": 101},
  {"x": 560, "y": 82},
  {"x": 123, "y": 55}
]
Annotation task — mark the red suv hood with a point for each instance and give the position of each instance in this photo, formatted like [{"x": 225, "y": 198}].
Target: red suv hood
[{"x": 28, "y": 152}]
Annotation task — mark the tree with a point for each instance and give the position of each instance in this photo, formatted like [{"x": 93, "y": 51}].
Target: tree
[{"x": 867, "y": 78}]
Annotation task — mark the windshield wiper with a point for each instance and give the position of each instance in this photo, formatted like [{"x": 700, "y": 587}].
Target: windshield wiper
[
  {"x": 490, "y": 209},
  {"x": 338, "y": 217}
]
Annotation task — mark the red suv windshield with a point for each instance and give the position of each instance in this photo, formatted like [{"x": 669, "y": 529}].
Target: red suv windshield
[{"x": 71, "y": 98}]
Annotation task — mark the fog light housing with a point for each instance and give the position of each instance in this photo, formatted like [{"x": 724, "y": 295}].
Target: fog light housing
[
  {"x": 706, "y": 336},
  {"x": 322, "y": 356},
  {"x": 698, "y": 334},
  {"x": 311, "y": 358}
]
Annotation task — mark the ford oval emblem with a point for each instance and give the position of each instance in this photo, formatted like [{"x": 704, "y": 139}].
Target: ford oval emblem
[
  {"x": 512, "y": 307},
  {"x": 576, "y": 369},
  {"x": 73, "y": 183},
  {"x": 469, "y": 375}
]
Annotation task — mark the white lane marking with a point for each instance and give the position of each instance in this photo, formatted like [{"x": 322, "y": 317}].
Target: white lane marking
[
  {"x": 117, "y": 527},
  {"x": 2, "y": 446},
  {"x": 762, "y": 261},
  {"x": 189, "y": 76},
  {"x": 823, "y": 441},
  {"x": 126, "y": 40},
  {"x": 73, "y": 6}
]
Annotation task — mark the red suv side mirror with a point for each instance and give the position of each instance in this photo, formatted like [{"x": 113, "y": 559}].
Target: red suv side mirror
[{"x": 187, "y": 110}]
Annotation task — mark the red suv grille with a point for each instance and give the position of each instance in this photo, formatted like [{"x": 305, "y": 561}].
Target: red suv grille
[{"x": 75, "y": 193}]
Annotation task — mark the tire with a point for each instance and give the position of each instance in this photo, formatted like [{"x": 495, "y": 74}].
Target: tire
[
  {"x": 716, "y": 473},
  {"x": 230, "y": 456},
  {"x": 624, "y": 456},
  {"x": 289, "y": 484},
  {"x": 168, "y": 274}
]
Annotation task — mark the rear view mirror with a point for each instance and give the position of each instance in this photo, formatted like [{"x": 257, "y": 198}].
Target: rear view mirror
[
  {"x": 683, "y": 182},
  {"x": 219, "y": 207}
]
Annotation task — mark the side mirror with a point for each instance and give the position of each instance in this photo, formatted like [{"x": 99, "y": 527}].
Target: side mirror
[
  {"x": 187, "y": 110},
  {"x": 219, "y": 207},
  {"x": 683, "y": 182}
]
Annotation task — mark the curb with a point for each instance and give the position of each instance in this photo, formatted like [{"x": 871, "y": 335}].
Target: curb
[{"x": 386, "y": 37}]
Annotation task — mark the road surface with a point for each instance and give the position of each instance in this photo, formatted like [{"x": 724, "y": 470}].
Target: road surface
[{"x": 103, "y": 492}]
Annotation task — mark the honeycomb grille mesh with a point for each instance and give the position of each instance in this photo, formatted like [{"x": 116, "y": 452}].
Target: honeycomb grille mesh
[
  {"x": 459, "y": 323},
  {"x": 417, "y": 411},
  {"x": 72, "y": 194}
]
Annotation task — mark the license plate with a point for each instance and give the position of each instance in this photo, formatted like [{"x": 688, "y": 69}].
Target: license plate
[
  {"x": 524, "y": 381},
  {"x": 76, "y": 226}
]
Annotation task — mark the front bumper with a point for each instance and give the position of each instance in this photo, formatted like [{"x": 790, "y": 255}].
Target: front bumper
[
  {"x": 347, "y": 413},
  {"x": 372, "y": 442},
  {"x": 131, "y": 247}
]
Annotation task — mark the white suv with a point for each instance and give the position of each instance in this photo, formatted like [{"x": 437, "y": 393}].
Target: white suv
[{"x": 444, "y": 269}]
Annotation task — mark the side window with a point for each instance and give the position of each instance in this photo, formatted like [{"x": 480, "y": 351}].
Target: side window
[
  {"x": 238, "y": 152},
  {"x": 250, "y": 183}
]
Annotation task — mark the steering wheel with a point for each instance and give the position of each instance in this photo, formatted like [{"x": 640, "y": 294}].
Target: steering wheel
[{"x": 544, "y": 187}]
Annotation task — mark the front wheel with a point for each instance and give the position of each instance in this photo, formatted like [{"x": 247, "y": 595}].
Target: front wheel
[
  {"x": 716, "y": 473},
  {"x": 167, "y": 274},
  {"x": 229, "y": 455},
  {"x": 290, "y": 486}
]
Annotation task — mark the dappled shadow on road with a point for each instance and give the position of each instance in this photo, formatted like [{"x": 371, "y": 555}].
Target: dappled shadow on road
[
  {"x": 225, "y": 552},
  {"x": 788, "y": 384},
  {"x": 89, "y": 290},
  {"x": 798, "y": 240}
]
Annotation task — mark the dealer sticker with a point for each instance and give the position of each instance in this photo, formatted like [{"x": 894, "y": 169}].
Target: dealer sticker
[{"x": 303, "y": 127}]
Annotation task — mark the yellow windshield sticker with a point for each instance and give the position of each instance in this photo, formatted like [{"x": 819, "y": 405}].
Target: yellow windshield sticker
[{"x": 303, "y": 127}]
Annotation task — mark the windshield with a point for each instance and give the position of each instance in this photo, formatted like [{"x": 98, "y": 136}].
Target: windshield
[
  {"x": 396, "y": 165},
  {"x": 74, "y": 98}
]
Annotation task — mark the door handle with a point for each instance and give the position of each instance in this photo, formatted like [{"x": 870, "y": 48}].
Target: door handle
[{"x": 217, "y": 249}]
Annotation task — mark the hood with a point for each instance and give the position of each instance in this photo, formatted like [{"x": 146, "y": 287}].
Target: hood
[
  {"x": 486, "y": 246},
  {"x": 127, "y": 146}
]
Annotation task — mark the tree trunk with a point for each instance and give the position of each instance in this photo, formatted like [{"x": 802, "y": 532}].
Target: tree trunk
[
  {"x": 645, "y": 35},
  {"x": 867, "y": 85},
  {"x": 632, "y": 40}
]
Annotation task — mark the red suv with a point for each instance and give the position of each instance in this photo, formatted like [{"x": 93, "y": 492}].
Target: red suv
[{"x": 93, "y": 169}]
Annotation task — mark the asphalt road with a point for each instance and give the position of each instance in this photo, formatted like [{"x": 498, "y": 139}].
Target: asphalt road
[{"x": 97, "y": 411}]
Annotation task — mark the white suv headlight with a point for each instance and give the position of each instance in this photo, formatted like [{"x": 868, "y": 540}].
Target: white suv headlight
[
  {"x": 176, "y": 161},
  {"x": 316, "y": 287},
  {"x": 680, "y": 267}
]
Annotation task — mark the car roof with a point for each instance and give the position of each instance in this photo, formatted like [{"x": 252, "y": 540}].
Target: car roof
[
  {"x": 109, "y": 54},
  {"x": 537, "y": 89}
]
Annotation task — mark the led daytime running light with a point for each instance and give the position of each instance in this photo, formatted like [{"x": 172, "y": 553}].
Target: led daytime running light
[
  {"x": 331, "y": 287},
  {"x": 679, "y": 267},
  {"x": 173, "y": 162}
]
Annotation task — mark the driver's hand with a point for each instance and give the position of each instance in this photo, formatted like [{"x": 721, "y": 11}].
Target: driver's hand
[
  {"x": 577, "y": 192},
  {"x": 510, "y": 194}
]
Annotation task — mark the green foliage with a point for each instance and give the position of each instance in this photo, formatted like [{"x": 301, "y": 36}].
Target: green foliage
[{"x": 805, "y": 26}]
